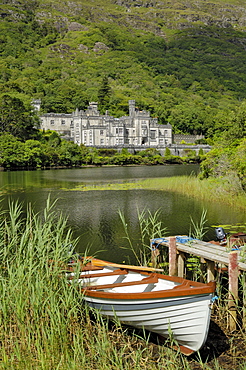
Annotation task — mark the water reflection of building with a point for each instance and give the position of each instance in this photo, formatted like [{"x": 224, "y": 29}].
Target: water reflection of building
[{"x": 91, "y": 128}]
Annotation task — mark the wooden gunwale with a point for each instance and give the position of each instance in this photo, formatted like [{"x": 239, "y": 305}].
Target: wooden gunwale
[
  {"x": 186, "y": 287},
  {"x": 175, "y": 279},
  {"x": 151, "y": 279},
  {"x": 189, "y": 288},
  {"x": 89, "y": 267},
  {"x": 103, "y": 274}
]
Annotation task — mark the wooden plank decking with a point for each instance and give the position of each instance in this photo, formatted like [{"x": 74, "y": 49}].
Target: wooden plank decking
[
  {"x": 206, "y": 250},
  {"x": 211, "y": 254}
]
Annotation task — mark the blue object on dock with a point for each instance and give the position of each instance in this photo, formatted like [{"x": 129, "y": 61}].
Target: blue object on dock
[
  {"x": 156, "y": 242},
  {"x": 183, "y": 239}
]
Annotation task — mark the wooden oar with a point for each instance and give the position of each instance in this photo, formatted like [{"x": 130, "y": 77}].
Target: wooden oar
[{"x": 97, "y": 262}]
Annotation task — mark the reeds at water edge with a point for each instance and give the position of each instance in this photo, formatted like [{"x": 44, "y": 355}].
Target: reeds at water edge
[
  {"x": 36, "y": 306},
  {"x": 44, "y": 322}
]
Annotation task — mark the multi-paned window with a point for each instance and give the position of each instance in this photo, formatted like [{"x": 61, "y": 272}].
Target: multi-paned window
[
  {"x": 119, "y": 130},
  {"x": 152, "y": 134}
]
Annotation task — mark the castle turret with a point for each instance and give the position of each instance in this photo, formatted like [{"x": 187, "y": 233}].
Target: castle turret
[
  {"x": 93, "y": 109},
  {"x": 36, "y": 104},
  {"x": 131, "y": 108}
]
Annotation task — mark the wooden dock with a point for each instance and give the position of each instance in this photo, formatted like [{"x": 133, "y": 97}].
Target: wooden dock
[{"x": 211, "y": 254}]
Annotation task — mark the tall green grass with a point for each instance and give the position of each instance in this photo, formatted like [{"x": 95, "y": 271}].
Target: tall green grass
[
  {"x": 44, "y": 323},
  {"x": 36, "y": 306},
  {"x": 207, "y": 189},
  {"x": 150, "y": 227}
]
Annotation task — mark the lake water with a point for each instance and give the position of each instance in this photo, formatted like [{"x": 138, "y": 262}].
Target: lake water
[{"x": 94, "y": 215}]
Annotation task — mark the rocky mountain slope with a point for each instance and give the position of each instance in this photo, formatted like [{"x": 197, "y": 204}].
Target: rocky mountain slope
[{"x": 184, "y": 61}]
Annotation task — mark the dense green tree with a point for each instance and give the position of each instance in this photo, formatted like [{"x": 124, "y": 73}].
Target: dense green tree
[
  {"x": 150, "y": 152},
  {"x": 12, "y": 151},
  {"x": 227, "y": 160},
  {"x": 16, "y": 119},
  {"x": 239, "y": 162},
  {"x": 70, "y": 154},
  {"x": 33, "y": 154},
  {"x": 239, "y": 122},
  {"x": 104, "y": 152}
]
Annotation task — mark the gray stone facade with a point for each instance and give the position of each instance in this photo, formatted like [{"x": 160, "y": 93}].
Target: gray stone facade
[
  {"x": 188, "y": 139},
  {"x": 91, "y": 128}
]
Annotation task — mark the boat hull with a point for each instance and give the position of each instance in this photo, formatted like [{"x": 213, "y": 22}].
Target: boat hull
[
  {"x": 184, "y": 320},
  {"x": 172, "y": 307}
]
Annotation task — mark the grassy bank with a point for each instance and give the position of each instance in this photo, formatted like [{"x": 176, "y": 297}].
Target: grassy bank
[
  {"x": 206, "y": 189},
  {"x": 226, "y": 191}
]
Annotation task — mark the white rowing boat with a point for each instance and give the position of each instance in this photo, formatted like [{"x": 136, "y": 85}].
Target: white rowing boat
[{"x": 143, "y": 298}]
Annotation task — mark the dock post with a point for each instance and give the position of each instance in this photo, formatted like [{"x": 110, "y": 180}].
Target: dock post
[
  {"x": 210, "y": 270},
  {"x": 181, "y": 264},
  {"x": 154, "y": 255},
  {"x": 233, "y": 289},
  {"x": 243, "y": 282},
  {"x": 172, "y": 256}
]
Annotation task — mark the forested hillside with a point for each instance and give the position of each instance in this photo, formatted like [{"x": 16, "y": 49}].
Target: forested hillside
[{"x": 184, "y": 61}]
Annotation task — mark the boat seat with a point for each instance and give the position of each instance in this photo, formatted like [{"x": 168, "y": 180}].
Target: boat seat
[{"x": 152, "y": 279}]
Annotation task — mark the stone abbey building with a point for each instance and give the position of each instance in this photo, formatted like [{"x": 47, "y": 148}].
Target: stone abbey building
[{"x": 91, "y": 128}]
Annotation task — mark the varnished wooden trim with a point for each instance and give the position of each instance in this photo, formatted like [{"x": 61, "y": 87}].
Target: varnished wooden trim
[
  {"x": 180, "y": 291},
  {"x": 72, "y": 267},
  {"x": 103, "y": 274},
  {"x": 152, "y": 279}
]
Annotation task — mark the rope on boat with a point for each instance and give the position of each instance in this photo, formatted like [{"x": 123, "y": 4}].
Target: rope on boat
[{"x": 215, "y": 298}]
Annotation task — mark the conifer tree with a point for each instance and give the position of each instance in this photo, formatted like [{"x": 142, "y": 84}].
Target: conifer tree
[{"x": 104, "y": 94}]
